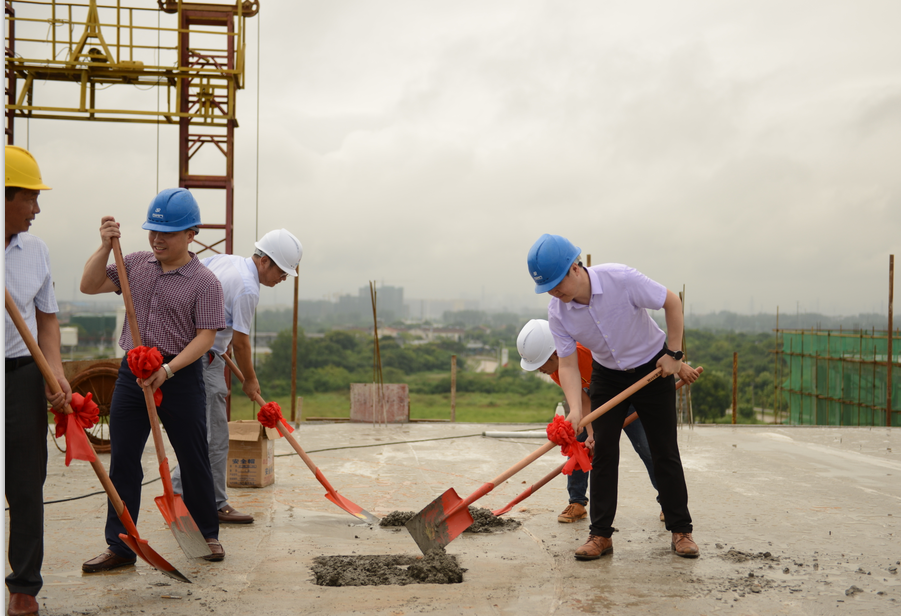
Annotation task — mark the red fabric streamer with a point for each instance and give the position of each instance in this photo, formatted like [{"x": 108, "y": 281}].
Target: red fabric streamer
[
  {"x": 86, "y": 414},
  {"x": 270, "y": 414},
  {"x": 561, "y": 432},
  {"x": 144, "y": 362}
]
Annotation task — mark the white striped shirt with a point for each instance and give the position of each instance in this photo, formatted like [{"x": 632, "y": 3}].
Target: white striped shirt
[{"x": 29, "y": 283}]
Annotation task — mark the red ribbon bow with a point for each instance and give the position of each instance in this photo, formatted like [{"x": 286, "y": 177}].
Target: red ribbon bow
[
  {"x": 86, "y": 414},
  {"x": 270, "y": 414},
  {"x": 561, "y": 432},
  {"x": 144, "y": 362}
]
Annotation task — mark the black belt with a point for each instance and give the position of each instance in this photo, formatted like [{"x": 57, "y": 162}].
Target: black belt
[{"x": 14, "y": 363}]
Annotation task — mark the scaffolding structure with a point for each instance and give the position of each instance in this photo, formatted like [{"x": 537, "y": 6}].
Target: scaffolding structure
[
  {"x": 62, "y": 58},
  {"x": 838, "y": 378}
]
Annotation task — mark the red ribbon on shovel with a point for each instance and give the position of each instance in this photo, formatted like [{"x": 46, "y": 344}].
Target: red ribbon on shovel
[
  {"x": 271, "y": 414},
  {"x": 561, "y": 432},
  {"x": 143, "y": 362},
  {"x": 86, "y": 414}
]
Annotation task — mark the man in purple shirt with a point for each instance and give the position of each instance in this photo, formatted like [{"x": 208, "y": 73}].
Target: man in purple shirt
[
  {"x": 178, "y": 303},
  {"x": 605, "y": 309}
]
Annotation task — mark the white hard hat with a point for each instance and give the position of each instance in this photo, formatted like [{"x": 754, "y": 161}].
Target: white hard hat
[
  {"x": 535, "y": 344},
  {"x": 283, "y": 248}
]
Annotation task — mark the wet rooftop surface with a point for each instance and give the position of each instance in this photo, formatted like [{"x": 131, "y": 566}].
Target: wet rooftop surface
[{"x": 789, "y": 520}]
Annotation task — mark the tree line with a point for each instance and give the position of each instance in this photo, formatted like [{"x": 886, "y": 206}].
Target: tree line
[{"x": 340, "y": 357}]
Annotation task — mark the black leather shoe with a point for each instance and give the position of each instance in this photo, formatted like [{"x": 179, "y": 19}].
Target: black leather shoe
[
  {"x": 218, "y": 552},
  {"x": 106, "y": 561}
]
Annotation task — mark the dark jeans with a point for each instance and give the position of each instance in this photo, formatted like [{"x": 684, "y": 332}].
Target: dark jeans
[
  {"x": 183, "y": 413},
  {"x": 577, "y": 483},
  {"x": 26, "y": 470},
  {"x": 656, "y": 405}
]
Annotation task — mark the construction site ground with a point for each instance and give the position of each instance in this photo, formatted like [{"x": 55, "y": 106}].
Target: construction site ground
[{"x": 789, "y": 520}]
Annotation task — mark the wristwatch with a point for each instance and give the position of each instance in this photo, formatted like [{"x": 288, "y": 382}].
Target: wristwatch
[
  {"x": 677, "y": 355},
  {"x": 170, "y": 374}
]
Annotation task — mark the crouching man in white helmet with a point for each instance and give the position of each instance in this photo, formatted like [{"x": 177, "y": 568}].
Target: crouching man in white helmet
[
  {"x": 537, "y": 348},
  {"x": 276, "y": 257}
]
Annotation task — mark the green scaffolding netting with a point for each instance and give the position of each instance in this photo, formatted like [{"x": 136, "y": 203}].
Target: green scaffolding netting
[{"x": 839, "y": 378}]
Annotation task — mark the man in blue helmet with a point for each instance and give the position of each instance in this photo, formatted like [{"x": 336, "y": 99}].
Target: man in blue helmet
[
  {"x": 178, "y": 303},
  {"x": 605, "y": 309},
  {"x": 276, "y": 257}
]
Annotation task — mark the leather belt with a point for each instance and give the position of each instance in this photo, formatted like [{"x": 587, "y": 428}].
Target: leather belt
[{"x": 14, "y": 363}]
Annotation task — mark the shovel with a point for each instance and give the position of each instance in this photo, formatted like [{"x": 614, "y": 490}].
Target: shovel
[
  {"x": 541, "y": 482},
  {"x": 132, "y": 539},
  {"x": 447, "y": 516},
  {"x": 332, "y": 494},
  {"x": 170, "y": 504}
]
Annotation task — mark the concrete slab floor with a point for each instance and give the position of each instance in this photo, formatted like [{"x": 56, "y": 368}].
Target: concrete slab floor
[{"x": 825, "y": 503}]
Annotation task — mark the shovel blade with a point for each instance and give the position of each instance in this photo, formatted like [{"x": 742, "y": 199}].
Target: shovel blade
[
  {"x": 351, "y": 508},
  {"x": 182, "y": 525},
  {"x": 434, "y": 528},
  {"x": 149, "y": 555}
]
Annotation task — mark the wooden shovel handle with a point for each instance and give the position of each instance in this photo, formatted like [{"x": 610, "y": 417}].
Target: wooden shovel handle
[
  {"x": 53, "y": 384},
  {"x": 136, "y": 341},
  {"x": 278, "y": 426}
]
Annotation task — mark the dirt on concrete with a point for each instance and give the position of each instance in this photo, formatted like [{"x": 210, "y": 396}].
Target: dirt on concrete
[
  {"x": 436, "y": 567},
  {"x": 483, "y": 521}
]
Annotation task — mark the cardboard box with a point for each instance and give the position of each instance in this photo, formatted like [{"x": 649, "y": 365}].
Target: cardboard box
[{"x": 251, "y": 454}]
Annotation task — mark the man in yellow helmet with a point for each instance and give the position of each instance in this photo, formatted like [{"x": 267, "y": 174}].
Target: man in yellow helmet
[{"x": 29, "y": 283}]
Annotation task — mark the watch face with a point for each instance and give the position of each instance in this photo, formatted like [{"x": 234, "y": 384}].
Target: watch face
[{"x": 678, "y": 355}]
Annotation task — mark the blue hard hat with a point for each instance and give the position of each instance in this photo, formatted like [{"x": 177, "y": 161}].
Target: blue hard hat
[
  {"x": 174, "y": 209},
  {"x": 549, "y": 260}
]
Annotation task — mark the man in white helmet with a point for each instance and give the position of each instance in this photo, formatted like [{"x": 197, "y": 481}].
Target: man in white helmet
[
  {"x": 537, "y": 348},
  {"x": 276, "y": 257},
  {"x": 30, "y": 285}
]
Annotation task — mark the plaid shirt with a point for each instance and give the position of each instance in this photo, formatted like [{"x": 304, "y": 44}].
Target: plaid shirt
[{"x": 170, "y": 306}]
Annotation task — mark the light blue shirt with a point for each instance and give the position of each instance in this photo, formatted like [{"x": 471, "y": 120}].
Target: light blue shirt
[
  {"x": 615, "y": 325},
  {"x": 29, "y": 283},
  {"x": 240, "y": 291}
]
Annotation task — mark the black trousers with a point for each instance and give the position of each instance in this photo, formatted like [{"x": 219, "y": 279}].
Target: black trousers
[
  {"x": 183, "y": 413},
  {"x": 656, "y": 405},
  {"x": 26, "y": 470}
]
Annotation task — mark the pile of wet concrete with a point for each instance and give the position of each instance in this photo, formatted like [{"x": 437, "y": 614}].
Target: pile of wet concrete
[
  {"x": 483, "y": 521},
  {"x": 436, "y": 567}
]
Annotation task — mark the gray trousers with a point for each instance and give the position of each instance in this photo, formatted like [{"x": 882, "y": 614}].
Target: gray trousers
[{"x": 216, "y": 427}]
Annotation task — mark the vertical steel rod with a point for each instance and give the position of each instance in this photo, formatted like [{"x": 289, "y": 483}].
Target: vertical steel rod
[
  {"x": 734, "y": 388},
  {"x": 888, "y": 380}
]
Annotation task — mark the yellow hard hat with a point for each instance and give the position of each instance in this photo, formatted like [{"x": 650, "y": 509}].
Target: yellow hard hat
[{"x": 22, "y": 169}]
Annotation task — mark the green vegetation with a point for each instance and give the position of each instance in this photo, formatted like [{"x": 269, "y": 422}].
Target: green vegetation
[
  {"x": 327, "y": 365},
  {"x": 712, "y": 394}
]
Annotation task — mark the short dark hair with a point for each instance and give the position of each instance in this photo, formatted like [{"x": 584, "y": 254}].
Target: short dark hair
[{"x": 11, "y": 192}]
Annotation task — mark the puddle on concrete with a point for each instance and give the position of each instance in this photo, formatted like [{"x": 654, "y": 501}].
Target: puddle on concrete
[
  {"x": 483, "y": 521},
  {"x": 436, "y": 567}
]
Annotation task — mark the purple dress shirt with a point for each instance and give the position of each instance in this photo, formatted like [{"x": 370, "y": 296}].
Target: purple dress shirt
[{"x": 615, "y": 325}]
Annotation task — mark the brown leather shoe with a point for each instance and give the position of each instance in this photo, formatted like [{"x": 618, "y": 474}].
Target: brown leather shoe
[
  {"x": 573, "y": 512},
  {"x": 218, "y": 552},
  {"x": 594, "y": 548},
  {"x": 21, "y": 604},
  {"x": 230, "y": 515},
  {"x": 106, "y": 561},
  {"x": 684, "y": 545}
]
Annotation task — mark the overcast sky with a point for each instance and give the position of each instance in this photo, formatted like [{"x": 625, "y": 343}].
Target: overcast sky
[{"x": 747, "y": 150}]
